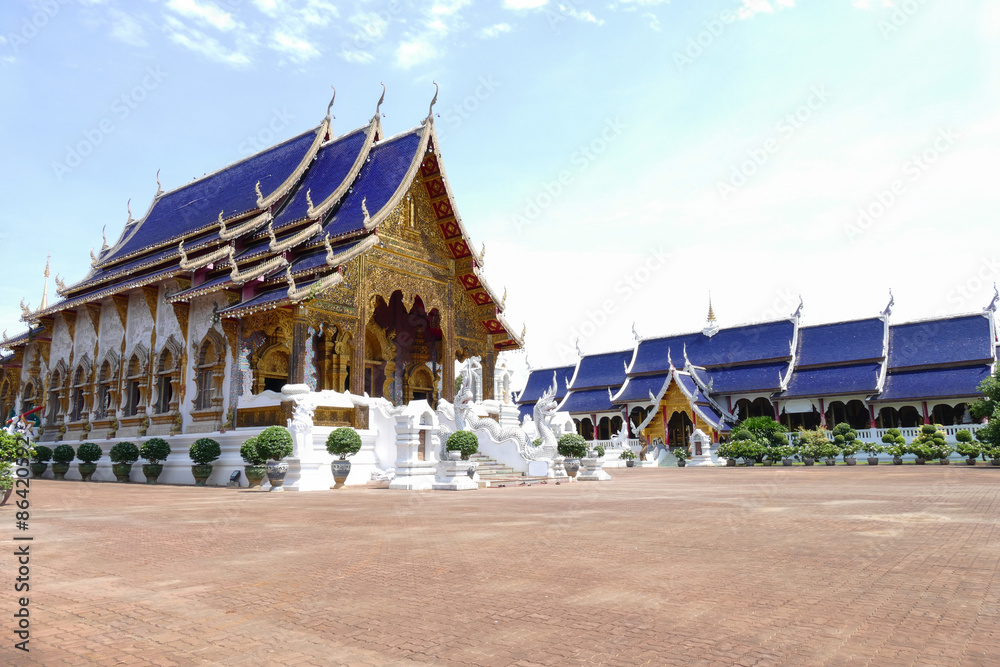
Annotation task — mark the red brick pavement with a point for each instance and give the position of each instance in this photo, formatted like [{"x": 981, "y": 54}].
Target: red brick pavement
[{"x": 764, "y": 566}]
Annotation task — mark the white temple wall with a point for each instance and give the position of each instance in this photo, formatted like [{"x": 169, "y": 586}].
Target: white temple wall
[
  {"x": 84, "y": 340},
  {"x": 62, "y": 343},
  {"x": 166, "y": 321},
  {"x": 138, "y": 324},
  {"x": 199, "y": 324},
  {"x": 112, "y": 333}
]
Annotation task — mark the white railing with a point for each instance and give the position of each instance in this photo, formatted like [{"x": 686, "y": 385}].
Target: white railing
[{"x": 875, "y": 434}]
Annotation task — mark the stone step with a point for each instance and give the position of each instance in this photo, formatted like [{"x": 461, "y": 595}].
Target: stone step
[{"x": 519, "y": 481}]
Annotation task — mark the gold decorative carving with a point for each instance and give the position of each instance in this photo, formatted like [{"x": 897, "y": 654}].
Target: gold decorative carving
[
  {"x": 121, "y": 305},
  {"x": 69, "y": 317},
  {"x": 151, "y": 294}
]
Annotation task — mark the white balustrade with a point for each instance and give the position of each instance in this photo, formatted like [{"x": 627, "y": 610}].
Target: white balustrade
[{"x": 909, "y": 432}]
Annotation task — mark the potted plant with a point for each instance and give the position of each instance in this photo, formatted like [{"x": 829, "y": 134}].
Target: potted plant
[
  {"x": 811, "y": 445},
  {"x": 895, "y": 445},
  {"x": 829, "y": 451},
  {"x": 462, "y": 445},
  {"x": 629, "y": 457},
  {"x": 930, "y": 444},
  {"x": 872, "y": 450},
  {"x": 88, "y": 453},
  {"x": 255, "y": 467},
  {"x": 848, "y": 450},
  {"x": 154, "y": 451},
  {"x": 728, "y": 451},
  {"x": 344, "y": 442},
  {"x": 123, "y": 455},
  {"x": 275, "y": 443},
  {"x": 967, "y": 446},
  {"x": 994, "y": 455},
  {"x": 599, "y": 451},
  {"x": 573, "y": 447},
  {"x": 682, "y": 454},
  {"x": 40, "y": 461},
  {"x": 61, "y": 458},
  {"x": 203, "y": 452},
  {"x": 787, "y": 454}
]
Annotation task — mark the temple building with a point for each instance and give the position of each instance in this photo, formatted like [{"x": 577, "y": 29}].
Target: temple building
[
  {"x": 870, "y": 373},
  {"x": 339, "y": 262}
]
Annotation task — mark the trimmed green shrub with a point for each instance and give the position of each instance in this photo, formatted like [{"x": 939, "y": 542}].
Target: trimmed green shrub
[
  {"x": 204, "y": 451},
  {"x": 63, "y": 454},
  {"x": 248, "y": 450},
  {"x": 89, "y": 452},
  {"x": 275, "y": 443},
  {"x": 154, "y": 450},
  {"x": 765, "y": 429},
  {"x": 682, "y": 453},
  {"x": 627, "y": 455},
  {"x": 465, "y": 442},
  {"x": 894, "y": 437},
  {"x": 600, "y": 450},
  {"x": 872, "y": 449},
  {"x": 43, "y": 454},
  {"x": 965, "y": 435},
  {"x": 124, "y": 452},
  {"x": 345, "y": 441},
  {"x": 572, "y": 446}
]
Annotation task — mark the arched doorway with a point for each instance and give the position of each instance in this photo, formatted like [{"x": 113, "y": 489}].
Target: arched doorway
[
  {"x": 679, "y": 430},
  {"x": 853, "y": 413},
  {"x": 909, "y": 417},
  {"x": 586, "y": 428},
  {"x": 420, "y": 385}
]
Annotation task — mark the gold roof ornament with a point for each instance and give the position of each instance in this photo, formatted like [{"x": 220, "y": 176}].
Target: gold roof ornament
[
  {"x": 60, "y": 285},
  {"x": 282, "y": 246},
  {"x": 711, "y": 326},
  {"x": 309, "y": 199},
  {"x": 25, "y": 310},
  {"x": 524, "y": 330},
  {"x": 45, "y": 284},
  {"x": 93, "y": 259},
  {"x": 260, "y": 195}
]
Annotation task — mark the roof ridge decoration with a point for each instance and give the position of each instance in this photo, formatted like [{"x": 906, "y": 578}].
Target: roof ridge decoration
[
  {"x": 430, "y": 109},
  {"x": 381, "y": 99},
  {"x": 992, "y": 308},
  {"x": 296, "y": 294},
  {"x": 316, "y": 212},
  {"x": 250, "y": 225},
  {"x": 635, "y": 334},
  {"x": 333, "y": 259},
  {"x": 296, "y": 175},
  {"x": 798, "y": 311},
  {"x": 264, "y": 267},
  {"x": 295, "y": 239},
  {"x": 404, "y": 183},
  {"x": 887, "y": 311},
  {"x": 159, "y": 187},
  {"x": 203, "y": 261},
  {"x": 330, "y": 105}
]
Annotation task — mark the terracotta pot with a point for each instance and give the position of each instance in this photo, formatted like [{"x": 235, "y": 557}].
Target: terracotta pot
[{"x": 87, "y": 470}]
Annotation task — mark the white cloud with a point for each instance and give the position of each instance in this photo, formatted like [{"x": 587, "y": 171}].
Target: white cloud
[
  {"x": 750, "y": 8},
  {"x": 447, "y": 7},
  {"x": 494, "y": 30},
  {"x": 524, "y": 4},
  {"x": 580, "y": 15},
  {"x": 197, "y": 41},
  {"x": 356, "y": 57},
  {"x": 127, "y": 29},
  {"x": 415, "y": 52},
  {"x": 204, "y": 14},
  {"x": 297, "y": 48},
  {"x": 652, "y": 21},
  {"x": 3, "y": 40}
]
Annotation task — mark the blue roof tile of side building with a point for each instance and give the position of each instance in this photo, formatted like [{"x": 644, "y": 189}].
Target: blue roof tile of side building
[
  {"x": 833, "y": 381},
  {"x": 737, "y": 345},
  {"x": 638, "y": 389},
  {"x": 525, "y": 411},
  {"x": 746, "y": 379},
  {"x": 380, "y": 177},
  {"x": 332, "y": 165},
  {"x": 933, "y": 384},
  {"x": 588, "y": 401},
  {"x": 953, "y": 340},
  {"x": 231, "y": 190},
  {"x": 540, "y": 379},
  {"x": 601, "y": 370},
  {"x": 841, "y": 342}
]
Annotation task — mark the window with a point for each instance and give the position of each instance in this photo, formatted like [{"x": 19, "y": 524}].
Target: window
[
  {"x": 77, "y": 404},
  {"x": 164, "y": 384},
  {"x": 52, "y": 414},
  {"x": 133, "y": 386},
  {"x": 208, "y": 359},
  {"x": 103, "y": 407}
]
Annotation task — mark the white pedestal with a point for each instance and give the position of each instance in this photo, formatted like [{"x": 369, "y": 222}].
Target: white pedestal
[
  {"x": 539, "y": 469},
  {"x": 418, "y": 476},
  {"x": 557, "y": 470},
  {"x": 454, "y": 476},
  {"x": 592, "y": 470}
]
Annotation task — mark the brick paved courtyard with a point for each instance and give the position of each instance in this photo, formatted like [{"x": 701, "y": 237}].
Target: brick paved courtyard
[{"x": 807, "y": 566}]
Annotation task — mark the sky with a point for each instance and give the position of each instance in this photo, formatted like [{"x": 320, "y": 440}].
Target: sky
[{"x": 623, "y": 161}]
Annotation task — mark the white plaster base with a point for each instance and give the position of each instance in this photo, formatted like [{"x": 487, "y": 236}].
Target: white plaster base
[
  {"x": 592, "y": 470},
  {"x": 539, "y": 469},
  {"x": 454, "y": 476},
  {"x": 414, "y": 476},
  {"x": 704, "y": 460},
  {"x": 557, "y": 470}
]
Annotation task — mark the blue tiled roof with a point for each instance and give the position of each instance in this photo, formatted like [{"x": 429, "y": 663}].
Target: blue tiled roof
[
  {"x": 378, "y": 180},
  {"x": 231, "y": 191},
  {"x": 841, "y": 342},
  {"x": 332, "y": 165},
  {"x": 218, "y": 281},
  {"x": 525, "y": 411},
  {"x": 601, "y": 370},
  {"x": 638, "y": 389},
  {"x": 746, "y": 344},
  {"x": 834, "y": 380},
  {"x": 588, "y": 401},
  {"x": 931, "y": 384},
  {"x": 265, "y": 298},
  {"x": 745, "y": 379},
  {"x": 540, "y": 379},
  {"x": 954, "y": 340}
]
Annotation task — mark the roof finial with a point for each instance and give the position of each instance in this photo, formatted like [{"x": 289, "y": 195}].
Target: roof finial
[
  {"x": 45, "y": 285},
  {"x": 330, "y": 105},
  {"x": 687, "y": 362},
  {"x": 104, "y": 238},
  {"x": 578, "y": 350},
  {"x": 524, "y": 330},
  {"x": 711, "y": 326},
  {"x": 159, "y": 188},
  {"x": 309, "y": 199},
  {"x": 888, "y": 308},
  {"x": 128, "y": 205},
  {"x": 481, "y": 255},
  {"x": 93, "y": 258},
  {"x": 635, "y": 334},
  {"x": 504, "y": 299},
  {"x": 60, "y": 285},
  {"x": 222, "y": 225},
  {"x": 430, "y": 110},
  {"x": 996, "y": 297},
  {"x": 798, "y": 311},
  {"x": 260, "y": 195},
  {"x": 364, "y": 209},
  {"x": 380, "y": 100},
  {"x": 670, "y": 359}
]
